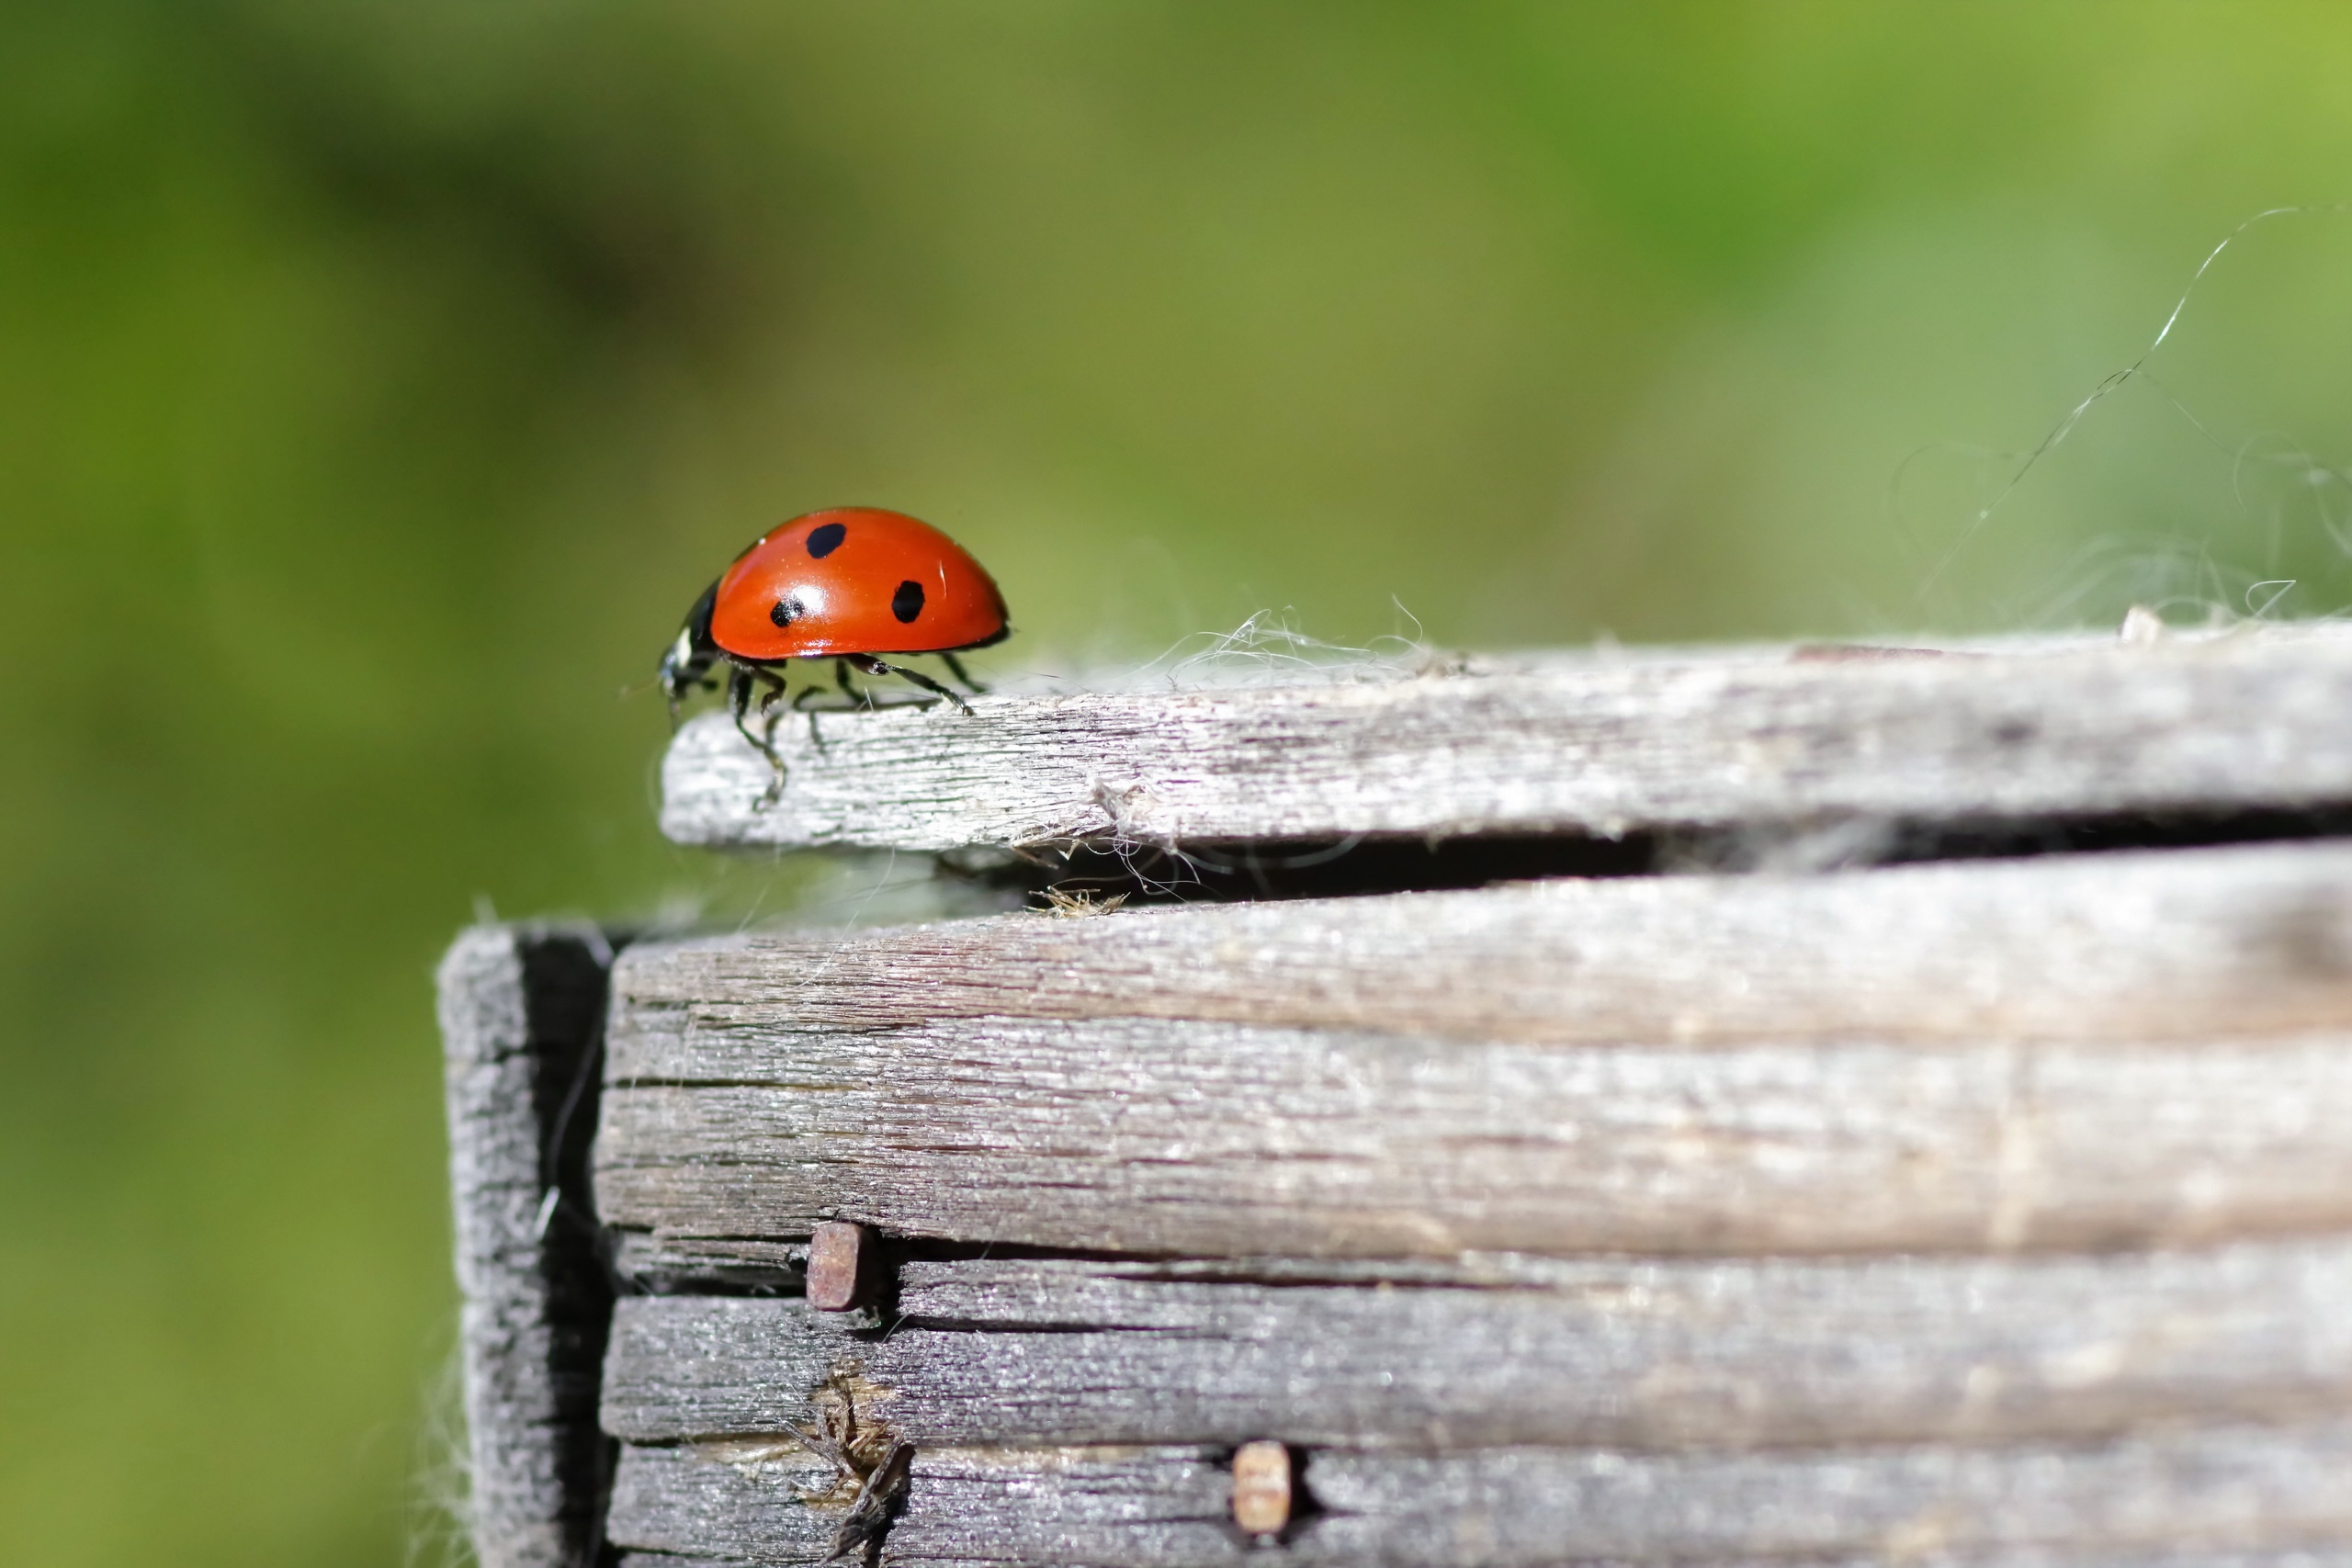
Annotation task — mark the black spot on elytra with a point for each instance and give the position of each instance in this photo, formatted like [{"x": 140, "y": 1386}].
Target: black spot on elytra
[
  {"x": 907, "y": 602},
  {"x": 785, "y": 611},
  {"x": 824, "y": 541}
]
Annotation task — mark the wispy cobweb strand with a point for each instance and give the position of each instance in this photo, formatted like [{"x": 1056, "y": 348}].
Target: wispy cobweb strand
[{"x": 2108, "y": 384}]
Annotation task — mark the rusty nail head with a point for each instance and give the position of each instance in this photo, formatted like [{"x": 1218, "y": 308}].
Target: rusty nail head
[
  {"x": 836, "y": 1266},
  {"x": 1262, "y": 1487}
]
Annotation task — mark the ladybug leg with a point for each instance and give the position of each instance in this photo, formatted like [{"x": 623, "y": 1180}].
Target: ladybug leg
[
  {"x": 955, "y": 668},
  {"x": 771, "y": 711},
  {"x": 738, "y": 703},
  {"x": 840, "y": 676},
  {"x": 876, "y": 667},
  {"x": 800, "y": 705}
]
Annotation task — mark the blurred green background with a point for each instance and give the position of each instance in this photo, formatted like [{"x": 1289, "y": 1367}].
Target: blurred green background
[{"x": 378, "y": 383}]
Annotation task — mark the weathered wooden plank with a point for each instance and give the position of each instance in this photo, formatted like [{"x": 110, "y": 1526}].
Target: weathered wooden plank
[
  {"x": 770, "y": 1496},
  {"x": 2076, "y": 1051},
  {"x": 1143, "y": 1506},
  {"x": 1212, "y": 1140},
  {"x": 1602, "y": 745},
  {"x": 520, "y": 1007},
  {"x": 2030, "y": 1557},
  {"x": 2225, "y": 1489},
  {"x": 2175, "y": 945},
  {"x": 1596, "y": 1353},
  {"x": 2193, "y": 1495}
]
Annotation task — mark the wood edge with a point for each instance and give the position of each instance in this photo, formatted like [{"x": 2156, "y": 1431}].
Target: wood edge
[{"x": 522, "y": 1010}]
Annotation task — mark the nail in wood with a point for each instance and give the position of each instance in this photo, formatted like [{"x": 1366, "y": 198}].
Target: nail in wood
[
  {"x": 837, "y": 1265},
  {"x": 1262, "y": 1487}
]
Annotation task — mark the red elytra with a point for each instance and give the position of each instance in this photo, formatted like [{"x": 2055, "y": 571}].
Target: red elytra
[
  {"x": 848, "y": 583},
  {"x": 854, "y": 579}
]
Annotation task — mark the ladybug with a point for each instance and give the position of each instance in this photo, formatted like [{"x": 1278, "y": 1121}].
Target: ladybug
[{"x": 849, "y": 583}]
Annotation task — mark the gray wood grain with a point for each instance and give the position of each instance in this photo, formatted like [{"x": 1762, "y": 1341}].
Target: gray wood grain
[
  {"x": 519, "y": 1009},
  {"x": 1143, "y": 1507},
  {"x": 2307, "y": 1556},
  {"x": 2188, "y": 1495},
  {"x": 2146, "y": 945},
  {"x": 2065, "y": 1053},
  {"x": 2030, "y": 1557},
  {"x": 767, "y": 1497},
  {"x": 1599, "y": 1354},
  {"x": 2215, "y": 1489},
  {"x": 1603, "y": 745},
  {"x": 1991, "y": 1213}
]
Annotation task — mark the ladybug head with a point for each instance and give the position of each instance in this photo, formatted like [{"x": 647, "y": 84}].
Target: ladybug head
[{"x": 689, "y": 658}]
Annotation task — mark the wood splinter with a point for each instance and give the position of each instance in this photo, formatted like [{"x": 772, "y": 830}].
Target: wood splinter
[
  {"x": 1262, "y": 1487},
  {"x": 839, "y": 1265}
]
